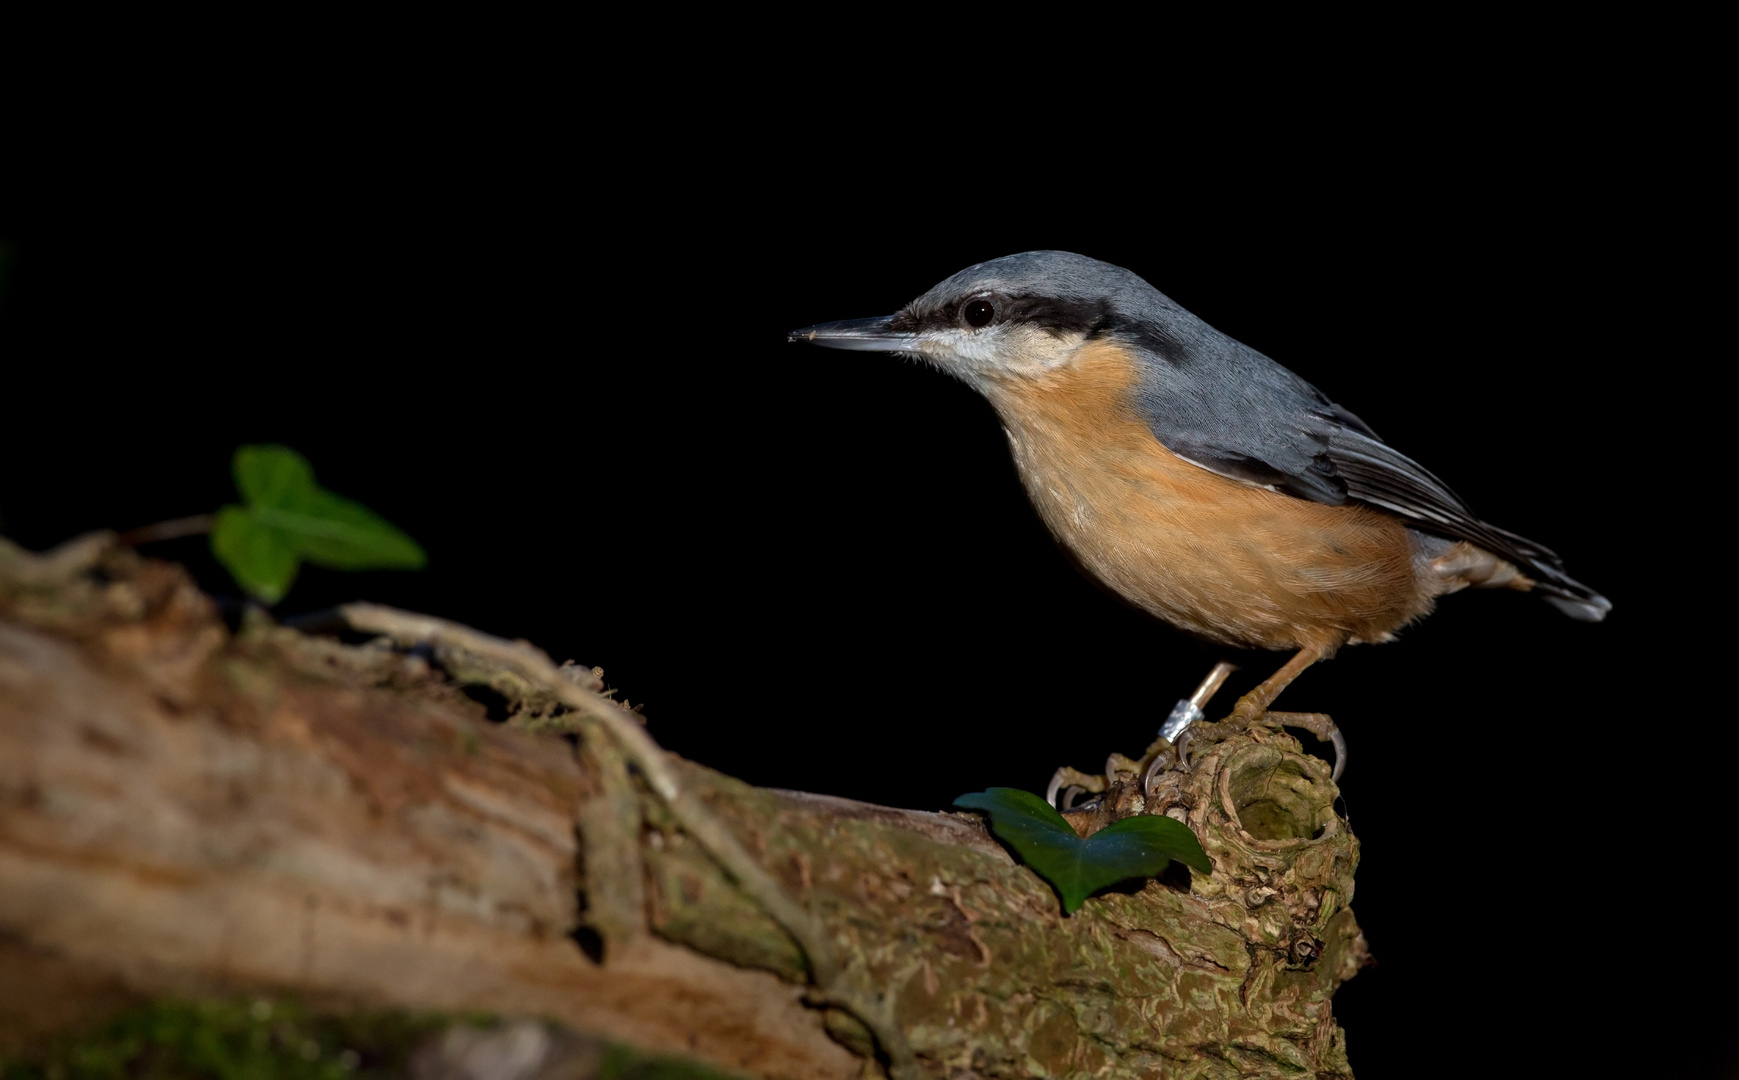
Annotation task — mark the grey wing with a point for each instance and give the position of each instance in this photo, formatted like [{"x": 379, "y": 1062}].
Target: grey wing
[
  {"x": 1378, "y": 474},
  {"x": 1249, "y": 419},
  {"x": 1232, "y": 411}
]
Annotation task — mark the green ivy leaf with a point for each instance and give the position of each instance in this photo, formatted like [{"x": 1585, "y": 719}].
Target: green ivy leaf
[
  {"x": 1136, "y": 847},
  {"x": 287, "y": 518}
]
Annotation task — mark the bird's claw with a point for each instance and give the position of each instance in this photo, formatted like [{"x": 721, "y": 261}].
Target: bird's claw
[
  {"x": 1071, "y": 784},
  {"x": 1323, "y": 727}
]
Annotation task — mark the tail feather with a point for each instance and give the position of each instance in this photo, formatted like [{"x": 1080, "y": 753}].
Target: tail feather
[{"x": 1567, "y": 594}]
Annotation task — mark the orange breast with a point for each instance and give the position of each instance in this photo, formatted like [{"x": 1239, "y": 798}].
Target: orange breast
[{"x": 1235, "y": 563}]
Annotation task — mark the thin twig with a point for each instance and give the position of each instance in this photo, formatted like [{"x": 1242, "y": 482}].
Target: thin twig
[
  {"x": 174, "y": 529},
  {"x": 533, "y": 665}
]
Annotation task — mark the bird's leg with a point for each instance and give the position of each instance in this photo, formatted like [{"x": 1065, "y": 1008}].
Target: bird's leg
[
  {"x": 1252, "y": 706},
  {"x": 1070, "y": 784},
  {"x": 1167, "y": 751}
]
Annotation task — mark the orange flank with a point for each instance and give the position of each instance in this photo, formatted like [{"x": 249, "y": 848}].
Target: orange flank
[{"x": 1235, "y": 563}]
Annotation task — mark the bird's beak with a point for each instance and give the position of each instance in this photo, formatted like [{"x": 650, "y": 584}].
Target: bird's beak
[{"x": 861, "y": 335}]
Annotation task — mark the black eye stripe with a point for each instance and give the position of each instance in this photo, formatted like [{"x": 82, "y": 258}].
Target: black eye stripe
[
  {"x": 1088, "y": 317},
  {"x": 1059, "y": 315}
]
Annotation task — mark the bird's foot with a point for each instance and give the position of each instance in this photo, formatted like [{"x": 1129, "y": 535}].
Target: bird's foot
[
  {"x": 1128, "y": 782},
  {"x": 1323, "y": 727},
  {"x": 1071, "y": 784},
  {"x": 1251, "y": 710},
  {"x": 1239, "y": 722},
  {"x": 1206, "y": 734},
  {"x": 1122, "y": 767},
  {"x": 1250, "y": 713}
]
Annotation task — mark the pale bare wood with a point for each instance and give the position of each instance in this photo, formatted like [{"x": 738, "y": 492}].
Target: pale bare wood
[{"x": 179, "y": 819}]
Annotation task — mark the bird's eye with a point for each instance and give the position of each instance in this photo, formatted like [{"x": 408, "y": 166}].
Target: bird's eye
[{"x": 978, "y": 313}]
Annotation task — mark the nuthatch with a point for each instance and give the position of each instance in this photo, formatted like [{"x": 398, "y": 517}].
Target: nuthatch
[{"x": 1198, "y": 479}]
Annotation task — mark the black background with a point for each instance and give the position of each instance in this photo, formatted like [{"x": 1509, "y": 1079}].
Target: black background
[{"x": 557, "y": 356}]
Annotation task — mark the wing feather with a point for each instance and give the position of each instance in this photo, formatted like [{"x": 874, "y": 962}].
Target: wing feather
[{"x": 1245, "y": 417}]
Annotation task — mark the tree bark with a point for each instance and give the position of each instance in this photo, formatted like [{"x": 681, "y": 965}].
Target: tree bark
[{"x": 190, "y": 811}]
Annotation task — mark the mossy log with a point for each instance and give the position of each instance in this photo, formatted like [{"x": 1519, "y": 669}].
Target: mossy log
[{"x": 190, "y": 811}]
